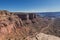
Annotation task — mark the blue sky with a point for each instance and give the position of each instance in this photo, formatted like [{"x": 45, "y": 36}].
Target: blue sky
[{"x": 30, "y": 5}]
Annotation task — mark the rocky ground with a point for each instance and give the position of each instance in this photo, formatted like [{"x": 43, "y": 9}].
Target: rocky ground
[
  {"x": 42, "y": 36},
  {"x": 12, "y": 27}
]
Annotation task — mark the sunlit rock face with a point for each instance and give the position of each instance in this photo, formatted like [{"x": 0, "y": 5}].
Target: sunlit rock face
[
  {"x": 8, "y": 23},
  {"x": 42, "y": 36}
]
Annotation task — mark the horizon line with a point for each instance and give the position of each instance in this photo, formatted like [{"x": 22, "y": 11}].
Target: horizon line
[{"x": 33, "y": 11}]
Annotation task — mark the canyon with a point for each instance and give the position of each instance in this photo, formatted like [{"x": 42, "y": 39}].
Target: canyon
[{"x": 28, "y": 26}]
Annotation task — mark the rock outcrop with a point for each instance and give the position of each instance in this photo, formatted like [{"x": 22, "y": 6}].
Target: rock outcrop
[
  {"x": 42, "y": 36},
  {"x": 25, "y": 16},
  {"x": 8, "y": 24}
]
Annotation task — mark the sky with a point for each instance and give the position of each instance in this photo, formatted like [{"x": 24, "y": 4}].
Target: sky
[{"x": 30, "y": 5}]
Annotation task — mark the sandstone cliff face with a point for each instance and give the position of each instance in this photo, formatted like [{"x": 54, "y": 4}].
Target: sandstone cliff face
[
  {"x": 8, "y": 24},
  {"x": 9, "y": 21}
]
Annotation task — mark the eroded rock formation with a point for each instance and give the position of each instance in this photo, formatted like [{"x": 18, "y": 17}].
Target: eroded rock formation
[{"x": 25, "y": 16}]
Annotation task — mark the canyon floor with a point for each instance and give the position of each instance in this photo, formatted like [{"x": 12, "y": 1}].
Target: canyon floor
[{"x": 28, "y": 26}]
